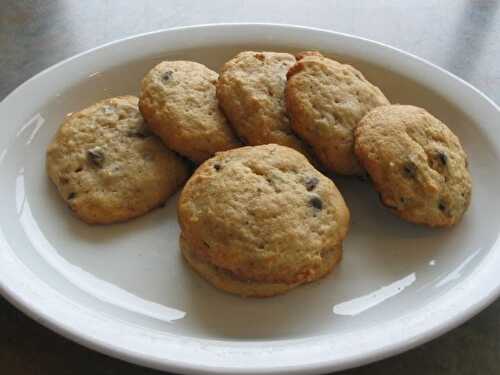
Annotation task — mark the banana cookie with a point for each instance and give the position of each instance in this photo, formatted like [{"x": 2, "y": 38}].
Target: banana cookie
[
  {"x": 178, "y": 101},
  {"x": 258, "y": 221},
  {"x": 108, "y": 167},
  {"x": 251, "y": 91},
  {"x": 416, "y": 163},
  {"x": 326, "y": 100}
]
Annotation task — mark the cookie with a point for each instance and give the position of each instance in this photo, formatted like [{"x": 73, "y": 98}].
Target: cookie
[
  {"x": 250, "y": 90},
  {"x": 260, "y": 220},
  {"x": 226, "y": 281},
  {"x": 108, "y": 167},
  {"x": 416, "y": 163},
  {"x": 326, "y": 100},
  {"x": 179, "y": 104}
]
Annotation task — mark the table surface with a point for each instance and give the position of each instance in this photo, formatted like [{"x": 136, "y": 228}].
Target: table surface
[{"x": 460, "y": 36}]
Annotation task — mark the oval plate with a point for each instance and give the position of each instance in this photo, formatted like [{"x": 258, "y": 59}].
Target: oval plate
[{"x": 124, "y": 290}]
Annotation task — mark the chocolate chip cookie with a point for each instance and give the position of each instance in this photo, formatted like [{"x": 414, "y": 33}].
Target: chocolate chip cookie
[
  {"x": 326, "y": 100},
  {"x": 416, "y": 163},
  {"x": 250, "y": 90},
  {"x": 258, "y": 221},
  {"x": 178, "y": 101},
  {"x": 108, "y": 166}
]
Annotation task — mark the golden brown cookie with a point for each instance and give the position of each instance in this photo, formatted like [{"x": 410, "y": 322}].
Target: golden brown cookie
[
  {"x": 416, "y": 163},
  {"x": 261, "y": 215},
  {"x": 326, "y": 100},
  {"x": 250, "y": 90},
  {"x": 108, "y": 167},
  {"x": 178, "y": 101},
  {"x": 228, "y": 282}
]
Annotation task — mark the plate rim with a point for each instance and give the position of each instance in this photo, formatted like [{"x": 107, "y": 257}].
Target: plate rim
[{"x": 22, "y": 303}]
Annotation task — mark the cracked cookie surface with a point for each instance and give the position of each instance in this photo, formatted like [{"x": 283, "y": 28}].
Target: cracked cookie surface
[
  {"x": 108, "y": 166},
  {"x": 178, "y": 101},
  {"x": 263, "y": 214},
  {"x": 326, "y": 100},
  {"x": 416, "y": 163}
]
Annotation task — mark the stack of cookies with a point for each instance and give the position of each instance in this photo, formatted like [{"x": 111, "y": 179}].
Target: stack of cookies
[
  {"x": 258, "y": 221},
  {"x": 257, "y": 216}
]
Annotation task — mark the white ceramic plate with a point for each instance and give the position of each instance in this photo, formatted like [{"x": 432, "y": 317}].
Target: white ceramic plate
[{"x": 124, "y": 290}]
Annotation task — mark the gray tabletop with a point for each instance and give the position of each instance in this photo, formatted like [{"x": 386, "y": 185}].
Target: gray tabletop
[{"x": 460, "y": 36}]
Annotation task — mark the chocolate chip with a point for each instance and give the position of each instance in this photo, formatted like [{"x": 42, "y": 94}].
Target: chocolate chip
[
  {"x": 443, "y": 158},
  {"x": 167, "y": 75},
  {"x": 217, "y": 167},
  {"x": 79, "y": 169},
  {"x": 311, "y": 183},
  {"x": 316, "y": 202},
  {"x": 71, "y": 195},
  {"x": 410, "y": 169},
  {"x": 260, "y": 56},
  {"x": 442, "y": 206},
  {"x": 95, "y": 156}
]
